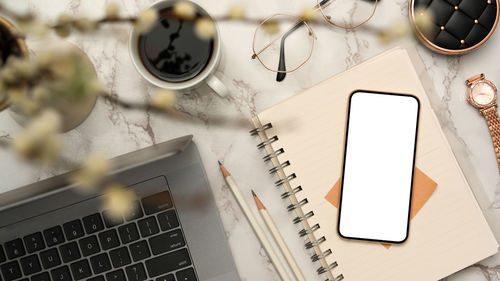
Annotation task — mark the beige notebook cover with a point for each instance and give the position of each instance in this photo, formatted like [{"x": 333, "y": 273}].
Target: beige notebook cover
[{"x": 449, "y": 232}]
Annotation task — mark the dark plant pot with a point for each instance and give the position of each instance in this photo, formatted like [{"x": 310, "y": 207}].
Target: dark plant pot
[{"x": 10, "y": 45}]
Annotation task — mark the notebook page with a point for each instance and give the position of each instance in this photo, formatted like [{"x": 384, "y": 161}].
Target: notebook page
[{"x": 448, "y": 234}]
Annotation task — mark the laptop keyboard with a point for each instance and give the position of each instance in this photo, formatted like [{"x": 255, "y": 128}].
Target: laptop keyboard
[{"x": 146, "y": 245}]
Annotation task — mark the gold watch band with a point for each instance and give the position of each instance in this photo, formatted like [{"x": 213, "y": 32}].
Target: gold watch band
[
  {"x": 493, "y": 121},
  {"x": 474, "y": 78}
]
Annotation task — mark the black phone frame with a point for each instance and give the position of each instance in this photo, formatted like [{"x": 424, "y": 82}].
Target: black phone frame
[{"x": 343, "y": 166}]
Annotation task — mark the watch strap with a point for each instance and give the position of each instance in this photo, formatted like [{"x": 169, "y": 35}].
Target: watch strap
[
  {"x": 474, "y": 78},
  {"x": 493, "y": 120}
]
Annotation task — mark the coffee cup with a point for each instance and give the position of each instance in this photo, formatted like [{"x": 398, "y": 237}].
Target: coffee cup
[{"x": 172, "y": 56}]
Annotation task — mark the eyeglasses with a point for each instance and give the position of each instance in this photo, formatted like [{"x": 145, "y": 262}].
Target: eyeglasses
[{"x": 299, "y": 35}]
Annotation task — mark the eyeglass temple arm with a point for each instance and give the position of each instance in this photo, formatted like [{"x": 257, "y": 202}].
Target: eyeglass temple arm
[
  {"x": 280, "y": 76},
  {"x": 281, "y": 65}
]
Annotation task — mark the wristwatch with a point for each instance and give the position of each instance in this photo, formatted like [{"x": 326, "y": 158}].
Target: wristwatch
[{"x": 482, "y": 94}]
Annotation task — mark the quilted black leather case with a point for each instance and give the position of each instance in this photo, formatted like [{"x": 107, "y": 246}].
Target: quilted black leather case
[{"x": 458, "y": 25}]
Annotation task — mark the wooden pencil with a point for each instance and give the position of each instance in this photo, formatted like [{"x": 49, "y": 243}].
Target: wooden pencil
[
  {"x": 255, "y": 225},
  {"x": 278, "y": 238}
]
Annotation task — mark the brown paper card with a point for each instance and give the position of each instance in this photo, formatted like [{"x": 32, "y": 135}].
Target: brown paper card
[{"x": 423, "y": 187}]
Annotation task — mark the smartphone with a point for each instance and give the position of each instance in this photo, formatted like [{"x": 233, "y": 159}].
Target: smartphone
[{"x": 377, "y": 173}]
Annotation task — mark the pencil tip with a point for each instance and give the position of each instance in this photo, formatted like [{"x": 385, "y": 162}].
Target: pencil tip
[
  {"x": 223, "y": 169},
  {"x": 260, "y": 206}
]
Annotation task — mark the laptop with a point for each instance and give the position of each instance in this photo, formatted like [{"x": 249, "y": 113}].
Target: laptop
[{"x": 51, "y": 232}]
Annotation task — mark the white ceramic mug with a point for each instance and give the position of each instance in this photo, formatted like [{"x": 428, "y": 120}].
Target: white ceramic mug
[{"x": 206, "y": 75}]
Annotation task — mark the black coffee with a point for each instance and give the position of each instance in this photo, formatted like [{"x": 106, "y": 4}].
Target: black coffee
[{"x": 172, "y": 51}]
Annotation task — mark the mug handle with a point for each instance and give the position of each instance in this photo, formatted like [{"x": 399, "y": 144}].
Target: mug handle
[{"x": 217, "y": 85}]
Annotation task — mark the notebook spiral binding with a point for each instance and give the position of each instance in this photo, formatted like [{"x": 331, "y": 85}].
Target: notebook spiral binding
[{"x": 313, "y": 242}]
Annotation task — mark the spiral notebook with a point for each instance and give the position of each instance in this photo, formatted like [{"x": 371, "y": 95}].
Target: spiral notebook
[{"x": 303, "y": 139}]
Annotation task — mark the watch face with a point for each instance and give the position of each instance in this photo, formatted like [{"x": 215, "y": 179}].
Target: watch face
[{"x": 483, "y": 93}]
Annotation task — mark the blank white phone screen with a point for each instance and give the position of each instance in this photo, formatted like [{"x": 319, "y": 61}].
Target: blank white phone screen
[{"x": 378, "y": 166}]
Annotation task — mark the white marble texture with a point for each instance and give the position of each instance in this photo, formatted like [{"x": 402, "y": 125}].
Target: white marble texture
[{"x": 117, "y": 131}]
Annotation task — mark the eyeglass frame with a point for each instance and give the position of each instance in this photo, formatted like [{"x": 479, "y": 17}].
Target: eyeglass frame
[{"x": 281, "y": 71}]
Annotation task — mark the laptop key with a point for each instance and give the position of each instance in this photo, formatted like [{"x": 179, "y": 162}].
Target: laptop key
[
  {"x": 2, "y": 255},
  {"x": 168, "y": 262},
  {"x": 50, "y": 258},
  {"x": 100, "y": 263},
  {"x": 69, "y": 252},
  {"x": 44, "y": 276},
  {"x": 34, "y": 242},
  {"x": 168, "y": 277},
  {"x": 136, "y": 212},
  {"x": 136, "y": 272},
  {"x": 128, "y": 233},
  {"x": 120, "y": 257},
  {"x": 168, "y": 220},
  {"x": 116, "y": 275},
  {"x": 14, "y": 248},
  {"x": 30, "y": 265},
  {"x": 139, "y": 251},
  {"x": 186, "y": 275},
  {"x": 81, "y": 269},
  {"x": 73, "y": 229},
  {"x": 166, "y": 242},
  {"x": 61, "y": 274},
  {"x": 157, "y": 202},
  {"x": 11, "y": 270},
  {"x": 110, "y": 220},
  {"x": 109, "y": 239},
  {"x": 53, "y": 236},
  {"x": 89, "y": 245},
  {"x": 148, "y": 226},
  {"x": 93, "y": 223}
]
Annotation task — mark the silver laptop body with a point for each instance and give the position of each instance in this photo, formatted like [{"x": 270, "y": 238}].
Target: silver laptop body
[{"x": 182, "y": 239}]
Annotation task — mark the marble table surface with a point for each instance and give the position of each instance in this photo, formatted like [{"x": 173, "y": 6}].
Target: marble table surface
[{"x": 116, "y": 131}]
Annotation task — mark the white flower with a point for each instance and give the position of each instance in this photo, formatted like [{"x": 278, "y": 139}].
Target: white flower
[
  {"x": 44, "y": 58},
  {"x": 395, "y": 31},
  {"x": 309, "y": 14},
  {"x": 113, "y": 11},
  {"x": 85, "y": 24},
  {"x": 184, "y": 10},
  {"x": 19, "y": 97},
  {"x": 47, "y": 123},
  {"x": 64, "y": 19},
  {"x": 63, "y": 28},
  {"x": 95, "y": 87},
  {"x": 36, "y": 27},
  {"x": 22, "y": 67},
  {"x": 8, "y": 75},
  {"x": 119, "y": 201},
  {"x": 40, "y": 141},
  {"x": 164, "y": 99},
  {"x": 145, "y": 20},
  {"x": 93, "y": 172},
  {"x": 424, "y": 20},
  {"x": 205, "y": 28},
  {"x": 40, "y": 93},
  {"x": 236, "y": 12},
  {"x": 271, "y": 27}
]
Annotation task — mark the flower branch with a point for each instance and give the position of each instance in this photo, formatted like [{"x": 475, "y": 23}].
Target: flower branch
[
  {"x": 65, "y": 24},
  {"x": 35, "y": 85}
]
